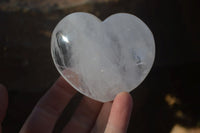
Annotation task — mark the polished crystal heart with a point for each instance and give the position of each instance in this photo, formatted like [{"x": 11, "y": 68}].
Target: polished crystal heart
[{"x": 102, "y": 58}]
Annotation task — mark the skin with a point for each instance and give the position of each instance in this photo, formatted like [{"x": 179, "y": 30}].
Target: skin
[{"x": 90, "y": 116}]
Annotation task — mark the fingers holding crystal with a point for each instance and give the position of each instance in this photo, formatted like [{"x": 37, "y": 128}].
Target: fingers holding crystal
[{"x": 49, "y": 108}]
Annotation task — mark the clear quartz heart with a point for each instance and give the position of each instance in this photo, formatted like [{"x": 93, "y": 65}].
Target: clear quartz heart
[{"x": 102, "y": 58}]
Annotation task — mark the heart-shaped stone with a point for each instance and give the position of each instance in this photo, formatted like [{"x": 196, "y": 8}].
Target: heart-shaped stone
[{"x": 101, "y": 59}]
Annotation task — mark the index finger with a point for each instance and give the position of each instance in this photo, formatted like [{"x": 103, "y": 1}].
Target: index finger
[{"x": 49, "y": 108}]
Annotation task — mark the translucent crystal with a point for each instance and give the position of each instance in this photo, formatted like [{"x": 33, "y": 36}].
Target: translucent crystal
[{"x": 102, "y": 58}]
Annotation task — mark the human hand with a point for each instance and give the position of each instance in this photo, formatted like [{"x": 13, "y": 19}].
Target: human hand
[{"x": 90, "y": 116}]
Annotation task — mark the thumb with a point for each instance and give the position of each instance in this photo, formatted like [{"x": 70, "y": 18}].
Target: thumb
[
  {"x": 120, "y": 113},
  {"x": 3, "y": 103}
]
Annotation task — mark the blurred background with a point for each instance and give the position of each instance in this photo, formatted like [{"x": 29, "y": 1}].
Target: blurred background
[{"x": 168, "y": 101}]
